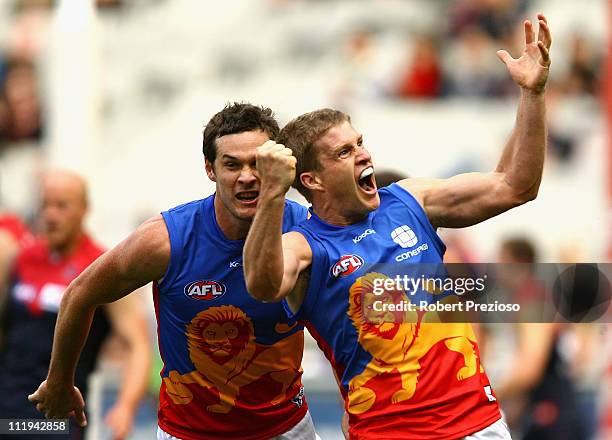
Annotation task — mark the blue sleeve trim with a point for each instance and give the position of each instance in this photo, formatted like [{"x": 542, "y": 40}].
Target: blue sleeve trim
[
  {"x": 176, "y": 249},
  {"x": 408, "y": 199}
]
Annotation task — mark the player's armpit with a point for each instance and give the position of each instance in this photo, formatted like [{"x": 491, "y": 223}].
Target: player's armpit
[
  {"x": 297, "y": 257},
  {"x": 465, "y": 199},
  {"x": 296, "y": 297}
]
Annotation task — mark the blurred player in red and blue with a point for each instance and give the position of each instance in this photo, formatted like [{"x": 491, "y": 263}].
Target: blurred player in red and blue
[
  {"x": 40, "y": 273},
  {"x": 402, "y": 375},
  {"x": 232, "y": 366}
]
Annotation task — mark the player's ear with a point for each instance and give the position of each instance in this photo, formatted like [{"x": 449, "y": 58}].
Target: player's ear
[
  {"x": 210, "y": 171},
  {"x": 311, "y": 181}
]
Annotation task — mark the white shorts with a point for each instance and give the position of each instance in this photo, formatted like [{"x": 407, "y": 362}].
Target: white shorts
[
  {"x": 304, "y": 430},
  {"x": 496, "y": 431}
]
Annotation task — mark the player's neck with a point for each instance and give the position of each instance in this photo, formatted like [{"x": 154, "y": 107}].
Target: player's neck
[
  {"x": 329, "y": 213},
  {"x": 233, "y": 228}
]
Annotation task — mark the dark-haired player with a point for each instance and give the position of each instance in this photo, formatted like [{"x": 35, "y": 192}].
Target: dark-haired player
[{"x": 231, "y": 365}]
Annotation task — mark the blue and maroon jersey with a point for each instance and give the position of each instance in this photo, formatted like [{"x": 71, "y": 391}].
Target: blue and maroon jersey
[
  {"x": 402, "y": 376},
  {"x": 39, "y": 280},
  {"x": 232, "y": 365}
]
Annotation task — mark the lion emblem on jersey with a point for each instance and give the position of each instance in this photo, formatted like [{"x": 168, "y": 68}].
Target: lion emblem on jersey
[
  {"x": 397, "y": 341},
  {"x": 222, "y": 347}
]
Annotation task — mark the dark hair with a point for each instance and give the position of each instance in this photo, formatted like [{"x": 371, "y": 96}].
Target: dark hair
[
  {"x": 237, "y": 118},
  {"x": 300, "y": 135},
  {"x": 520, "y": 249}
]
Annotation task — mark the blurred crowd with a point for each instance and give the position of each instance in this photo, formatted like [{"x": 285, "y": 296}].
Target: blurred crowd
[
  {"x": 448, "y": 55},
  {"x": 451, "y": 57}
]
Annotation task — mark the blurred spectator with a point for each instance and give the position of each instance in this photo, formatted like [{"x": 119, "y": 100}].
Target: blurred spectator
[
  {"x": 538, "y": 373},
  {"x": 28, "y": 32},
  {"x": 423, "y": 77},
  {"x": 582, "y": 78},
  {"x": 40, "y": 274},
  {"x": 20, "y": 108},
  {"x": 471, "y": 65},
  {"x": 495, "y": 17},
  {"x": 359, "y": 72}
]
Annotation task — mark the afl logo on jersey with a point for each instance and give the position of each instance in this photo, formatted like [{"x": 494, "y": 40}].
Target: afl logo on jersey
[
  {"x": 206, "y": 290},
  {"x": 346, "y": 265}
]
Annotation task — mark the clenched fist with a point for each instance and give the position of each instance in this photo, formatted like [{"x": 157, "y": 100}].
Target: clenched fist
[{"x": 276, "y": 168}]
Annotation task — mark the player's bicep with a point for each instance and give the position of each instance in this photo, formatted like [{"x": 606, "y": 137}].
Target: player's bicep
[
  {"x": 137, "y": 260},
  {"x": 462, "y": 200}
]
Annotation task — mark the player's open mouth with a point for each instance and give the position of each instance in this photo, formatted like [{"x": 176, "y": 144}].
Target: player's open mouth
[
  {"x": 366, "y": 180},
  {"x": 247, "y": 196}
]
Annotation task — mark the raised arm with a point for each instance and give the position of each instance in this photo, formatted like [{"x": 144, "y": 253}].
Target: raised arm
[
  {"x": 467, "y": 199},
  {"x": 139, "y": 259},
  {"x": 273, "y": 262}
]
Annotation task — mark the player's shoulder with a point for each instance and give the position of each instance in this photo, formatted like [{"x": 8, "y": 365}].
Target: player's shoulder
[
  {"x": 408, "y": 191},
  {"x": 298, "y": 211},
  {"x": 189, "y": 207},
  {"x": 294, "y": 205},
  {"x": 150, "y": 241}
]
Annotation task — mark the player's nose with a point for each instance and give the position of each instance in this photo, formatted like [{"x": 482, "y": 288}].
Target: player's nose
[
  {"x": 363, "y": 156},
  {"x": 247, "y": 176}
]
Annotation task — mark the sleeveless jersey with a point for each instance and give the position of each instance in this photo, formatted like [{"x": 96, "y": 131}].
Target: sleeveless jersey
[
  {"x": 232, "y": 365},
  {"x": 38, "y": 283},
  {"x": 401, "y": 376}
]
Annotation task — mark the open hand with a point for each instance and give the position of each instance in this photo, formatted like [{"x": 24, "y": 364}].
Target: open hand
[
  {"x": 530, "y": 71},
  {"x": 120, "y": 419}
]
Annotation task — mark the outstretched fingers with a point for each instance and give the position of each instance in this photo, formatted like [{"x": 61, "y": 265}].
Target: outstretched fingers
[
  {"x": 544, "y": 34},
  {"x": 504, "y": 56},
  {"x": 544, "y": 52},
  {"x": 529, "y": 33}
]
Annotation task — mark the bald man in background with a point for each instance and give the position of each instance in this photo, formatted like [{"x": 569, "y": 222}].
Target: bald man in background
[{"x": 39, "y": 274}]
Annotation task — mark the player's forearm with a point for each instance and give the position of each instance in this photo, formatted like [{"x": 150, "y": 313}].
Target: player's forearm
[
  {"x": 522, "y": 161},
  {"x": 263, "y": 251},
  {"x": 71, "y": 330}
]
